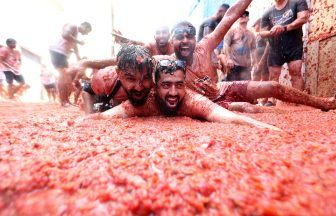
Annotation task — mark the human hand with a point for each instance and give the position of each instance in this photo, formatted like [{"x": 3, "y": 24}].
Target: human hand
[{"x": 277, "y": 30}]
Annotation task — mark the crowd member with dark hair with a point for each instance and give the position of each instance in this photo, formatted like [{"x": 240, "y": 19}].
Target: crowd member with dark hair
[
  {"x": 10, "y": 61},
  {"x": 201, "y": 74},
  {"x": 60, "y": 53},
  {"x": 240, "y": 50},
  {"x": 171, "y": 98},
  {"x": 130, "y": 79},
  {"x": 209, "y": 26},
  {"x": 160, "y": 46},
  {"x": 282, "y": 25},
  {"x": 211, "y": 23}
]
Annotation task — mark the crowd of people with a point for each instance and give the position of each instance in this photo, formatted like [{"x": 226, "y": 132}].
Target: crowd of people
[{"x": 227, "y": 69}]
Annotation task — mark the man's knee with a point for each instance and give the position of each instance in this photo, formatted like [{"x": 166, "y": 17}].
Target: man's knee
[{"x": 295, "y": 68}]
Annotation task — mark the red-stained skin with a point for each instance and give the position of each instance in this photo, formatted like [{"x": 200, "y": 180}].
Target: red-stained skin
[
  {"x": 171, "y": 90},
  {"x": 162, "y": 44},
  {"x": 135, "y": 83}
]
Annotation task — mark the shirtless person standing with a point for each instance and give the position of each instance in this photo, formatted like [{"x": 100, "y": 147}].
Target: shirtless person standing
[
  {"x": 160, "y": 46},
  {"x": 60, "y": 53},
  {"x": 10, "y": 62}
]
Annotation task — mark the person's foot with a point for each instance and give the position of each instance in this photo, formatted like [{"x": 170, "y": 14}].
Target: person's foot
[{"x": 330, "y": 104}]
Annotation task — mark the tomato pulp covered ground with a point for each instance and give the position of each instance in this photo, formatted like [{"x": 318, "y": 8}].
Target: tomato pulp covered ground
[{"x": 165, "y": 166}]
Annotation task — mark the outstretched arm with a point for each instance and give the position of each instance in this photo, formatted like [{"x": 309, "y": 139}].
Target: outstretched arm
[
  {"x": 83, "y": 64},
  {"x": 98, "y": 63},
  {"x": 219, "y": 114},
  {"x": 116, "y": 112},
  {"x": 120, "y": 39},
  {"x": 227, "y": 21},
  {"x": 196, "y": 105}
]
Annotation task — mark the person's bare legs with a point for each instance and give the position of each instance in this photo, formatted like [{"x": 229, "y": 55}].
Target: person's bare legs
[
  {"x": 64, "y": 86},
  {"x": 53, "y": 94},
  {"x": 274, "y": 75},
  {"x": 77, "y": 93},
  {"x": 294, "y": 68},
  {"x": 257, "y": 90},
  {"x": 88, "y": 101},
  {"x": 256, "y": 75},
  {"x": 10, "y": 91}
]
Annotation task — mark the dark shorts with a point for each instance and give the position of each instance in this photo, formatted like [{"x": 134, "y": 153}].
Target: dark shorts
[
  {"x": 232, "y": 92},
  {"x": 59, "y": 60},
  {"x": 239, "y": 73},
  {"x": 277, "y": 59},
  {"x": 86, "y": 86},
  {"x": 10, "y": 77},
  {"x": 50, "y": 86},
  {"x": 99, "y": 99}
]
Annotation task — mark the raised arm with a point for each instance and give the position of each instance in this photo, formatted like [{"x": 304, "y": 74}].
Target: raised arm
[{"x": 225, "y": 24}]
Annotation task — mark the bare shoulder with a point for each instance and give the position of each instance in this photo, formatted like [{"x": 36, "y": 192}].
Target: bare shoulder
[{"x": 195, "y": 105}]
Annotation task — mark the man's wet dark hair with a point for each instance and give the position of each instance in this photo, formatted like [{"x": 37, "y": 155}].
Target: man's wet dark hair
[
  {"x": 134, "y": 57},
  {"x": 183, "y": 24},
  {"x": 172, "y": 66},
  {"x": 10, "y": 40},
  {"x": 226, "y": 6},
  {"x": 87, "y": 25}
]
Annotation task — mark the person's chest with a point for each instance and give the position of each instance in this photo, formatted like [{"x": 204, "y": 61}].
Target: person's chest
[
  {"x": 284, "y": 16},
  {"x": 241, "y": 38}
]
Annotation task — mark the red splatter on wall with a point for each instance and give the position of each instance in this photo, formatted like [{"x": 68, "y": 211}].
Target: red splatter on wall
[{"x": 321, "y": 59}]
